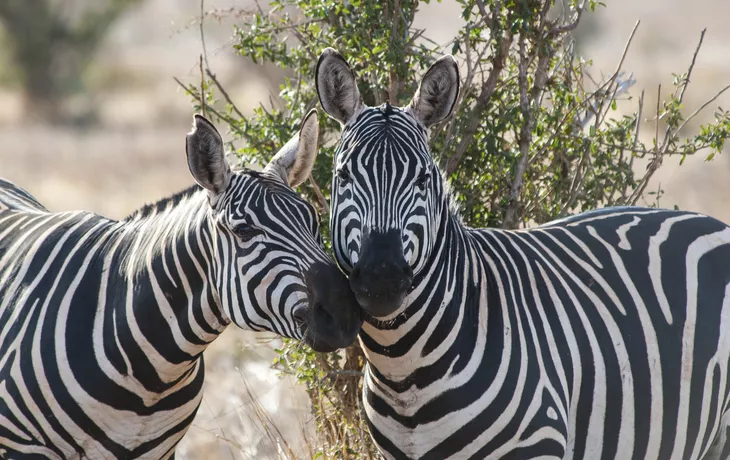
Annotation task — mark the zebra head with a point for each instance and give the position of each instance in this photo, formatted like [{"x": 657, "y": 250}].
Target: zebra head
[
  {"x": 269, "y": 267},
  {"x": 388, "y": 197}
]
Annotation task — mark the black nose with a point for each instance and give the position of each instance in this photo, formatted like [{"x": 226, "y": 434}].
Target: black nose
[
  {"x": 381, "y": 278},
  {"x": 334, "y": 317}
]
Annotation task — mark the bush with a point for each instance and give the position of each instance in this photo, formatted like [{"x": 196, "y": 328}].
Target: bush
[{"x": 533, "y": 138}]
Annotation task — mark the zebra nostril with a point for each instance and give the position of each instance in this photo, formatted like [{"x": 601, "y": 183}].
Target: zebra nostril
[{"x": 300, "y": 315}]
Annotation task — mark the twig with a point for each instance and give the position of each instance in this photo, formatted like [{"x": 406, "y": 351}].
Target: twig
[
  {"x": 525, "y": 138},
  {"x": 202, "y": 33},
  {"x": 345, "y": 373},
  {"x": 638, "y": 121},
  {"x": 599, "y": 112},
  {"x": 318, "y": 192},
  {"x": 465, "y": 92},
  {"x": 658, "y": 116},
  {"x": 488, "y": 88},
  {"x": 488, "y": 20},
  {"x": 572, "y": 24},
  {"x": 223, "y": 433},
  {"x": 692, "y": 65},
  {"x": 702, "y": 107},
  {"x": 228, "y": 99},
  {"x": 658, "y": 153},
  {"x": 202, "y": 87},
  {"x": 394, "y": 83},
  {"x": 197, "y": 97},
  {"x": 668, "y": 133},
  {"x": 636, "y": 141},
  {"x": 575, "y": 185}
]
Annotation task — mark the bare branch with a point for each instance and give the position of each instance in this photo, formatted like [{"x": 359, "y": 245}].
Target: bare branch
[
  {"x": 222, "y": 90},
  {"x": 486, "y": 17},
  {"x": 573, "y": 22},
  {"x": 612, "y": 83},
  {"x": 658, "y": 116},
  {"x": 202, "y": 87},
  {"x": 395, "y": 18},
  {"x": 656, "y": 161},
  {"x": 202, "y": 33},
  {"x": 702, "y": 107},
  {"x": 636, "y": 140},
  {"x": 191, "y": 92},
  {"x": 345, "y": 373},
  {"x": 692, "y": 65},
  {"x": 488, "y": 87},
  {"x": 534, "y": 99},
  {"x": 668, "y": 134},
  {"x": 322, "y": 201}
]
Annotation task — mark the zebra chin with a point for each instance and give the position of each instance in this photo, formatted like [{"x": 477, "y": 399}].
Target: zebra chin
[{"x": 333, "y": 318}]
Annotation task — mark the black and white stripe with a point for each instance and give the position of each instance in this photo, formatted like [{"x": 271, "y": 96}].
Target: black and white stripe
[
  {"x": 601, "y": 336},
  {"x": 103, "y": 323}
]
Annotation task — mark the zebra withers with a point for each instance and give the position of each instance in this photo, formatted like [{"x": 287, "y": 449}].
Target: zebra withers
[
  {"x": 601, "y": 336},
  {"x": 103, "y": 323}
]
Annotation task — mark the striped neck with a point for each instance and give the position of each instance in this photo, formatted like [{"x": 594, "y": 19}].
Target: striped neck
[
  {"x": 162, "y": 258},
  {"x": 435, "y": 315}
]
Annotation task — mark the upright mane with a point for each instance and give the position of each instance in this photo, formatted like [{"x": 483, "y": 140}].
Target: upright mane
[
  {"x": 172, "y": 200},
  {"x": 154, "y": 208}
]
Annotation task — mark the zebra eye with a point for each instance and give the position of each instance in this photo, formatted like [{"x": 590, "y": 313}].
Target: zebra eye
[
  {"x": 245, "y": 232},
  {"x": 344, "y": 175},
  {"x": 423, "y": 179}
]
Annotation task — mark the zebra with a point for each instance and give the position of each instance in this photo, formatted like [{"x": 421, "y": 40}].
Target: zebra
[
  {"x": 605, "y": 335},
  {"x": 103, "y": 323}
]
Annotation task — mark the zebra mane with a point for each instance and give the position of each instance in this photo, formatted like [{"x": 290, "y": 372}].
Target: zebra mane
[
  {"x": 154, "y": 208},
  {"x": 174, "y": 199}
]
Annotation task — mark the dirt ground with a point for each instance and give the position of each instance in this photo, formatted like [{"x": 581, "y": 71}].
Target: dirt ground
[{"x": 136, "y": 155}]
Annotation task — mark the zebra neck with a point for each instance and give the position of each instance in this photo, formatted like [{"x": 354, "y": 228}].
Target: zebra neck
[
  {"x": 163, "y": 298},
  {"x": 439, "y": 316}
]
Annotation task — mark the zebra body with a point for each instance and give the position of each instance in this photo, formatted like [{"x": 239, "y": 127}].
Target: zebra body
[
  {"x": 103, "y": 323},
  {"x": 600, "y": 336}
]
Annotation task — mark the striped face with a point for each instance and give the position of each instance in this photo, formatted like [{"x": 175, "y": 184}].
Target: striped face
[
  {"x": 387, "y": 193},
  {"x": 270, "y": 268},
  {"x": 382, "y": 202},
  {"x": 382, "y": 185},
  {"x": 267, "y": 239}
]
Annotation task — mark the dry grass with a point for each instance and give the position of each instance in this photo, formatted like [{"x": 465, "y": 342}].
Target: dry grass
[{"x": 248, "y": 412}]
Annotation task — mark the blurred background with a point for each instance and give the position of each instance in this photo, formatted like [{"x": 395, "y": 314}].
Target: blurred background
[{"x": 92, "y": 118}]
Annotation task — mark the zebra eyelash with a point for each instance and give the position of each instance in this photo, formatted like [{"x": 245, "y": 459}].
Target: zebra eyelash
[
  {"x": 423, "y": 179},
  {"x": 246, "y": 232},
  {"x": 343, "y": 175}
]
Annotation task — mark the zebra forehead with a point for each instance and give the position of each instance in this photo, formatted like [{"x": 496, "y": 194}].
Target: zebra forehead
[
  {"x": 251, "y": 190},
  {"x": 384, "y": 133}
]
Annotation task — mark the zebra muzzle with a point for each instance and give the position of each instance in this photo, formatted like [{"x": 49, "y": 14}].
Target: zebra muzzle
[
  {"x": 381, "y": 277},
  {"x": 332, "y": 319}
]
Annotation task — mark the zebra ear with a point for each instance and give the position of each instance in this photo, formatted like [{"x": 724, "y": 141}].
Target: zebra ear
[
  {"x": 337, "y": 87},
  {"x": 436, "y": 96},
  {"x": 294, "y": 162},
  {"x": 206, "y": 159}
]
